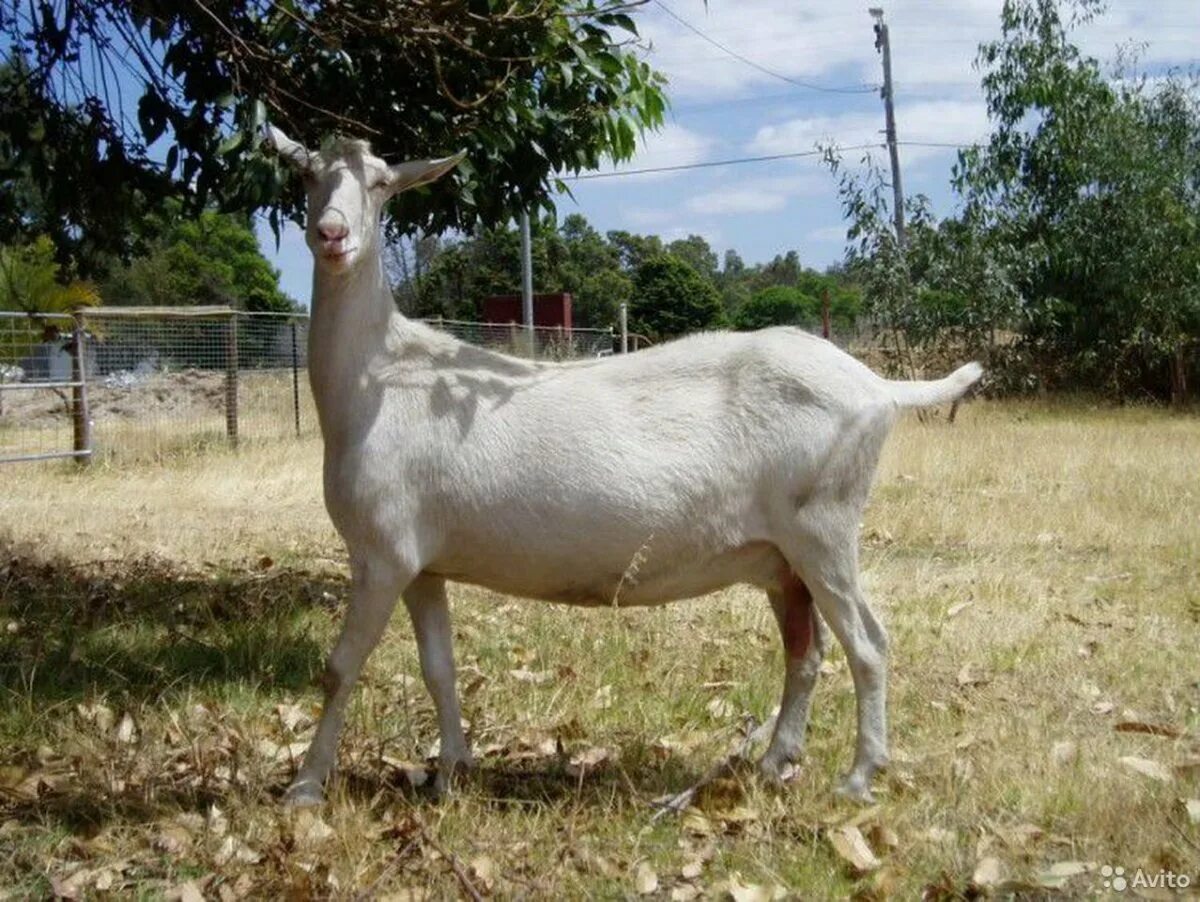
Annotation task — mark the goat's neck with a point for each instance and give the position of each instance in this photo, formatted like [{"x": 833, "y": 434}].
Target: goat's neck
[{"x": 350, "y": 316}]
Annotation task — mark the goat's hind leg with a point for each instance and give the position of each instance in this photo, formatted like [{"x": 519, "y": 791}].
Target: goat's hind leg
[
  {"x": 828, "y": 560},
  {"x": 805, "y": 641},
  {"x": 425, "y": 599},
  {"x": 373, "y": 595}
]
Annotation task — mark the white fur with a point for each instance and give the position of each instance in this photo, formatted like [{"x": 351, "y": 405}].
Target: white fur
[{"x": 717, "y": 459}]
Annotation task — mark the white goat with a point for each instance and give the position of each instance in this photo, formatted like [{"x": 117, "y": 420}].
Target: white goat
[{"x": 723, "y": 458}]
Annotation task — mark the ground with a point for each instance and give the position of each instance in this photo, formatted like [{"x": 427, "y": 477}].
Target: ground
[{"x": 164, "y": 627}]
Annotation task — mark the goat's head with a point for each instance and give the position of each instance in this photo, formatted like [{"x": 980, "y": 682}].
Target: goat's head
[{"x": 347, "y": 188}]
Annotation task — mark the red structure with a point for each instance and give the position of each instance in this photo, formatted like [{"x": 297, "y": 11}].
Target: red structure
[{"x": 548, "y": 309}]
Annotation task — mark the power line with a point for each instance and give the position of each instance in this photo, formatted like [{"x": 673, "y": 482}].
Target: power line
[
  {"x": 735, "y": 161},
  {"x": 849, "y": 89}
]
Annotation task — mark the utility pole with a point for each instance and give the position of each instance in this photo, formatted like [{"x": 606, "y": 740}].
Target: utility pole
[
  {"x": 883, "y": 44},
  {"x": 527, "y": 282}
]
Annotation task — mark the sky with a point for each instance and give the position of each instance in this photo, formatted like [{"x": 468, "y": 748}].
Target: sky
[{"x": 725, "y": 108}]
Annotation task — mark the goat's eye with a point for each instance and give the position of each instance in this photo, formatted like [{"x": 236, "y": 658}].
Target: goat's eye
[{"x": 379, "y": 184}]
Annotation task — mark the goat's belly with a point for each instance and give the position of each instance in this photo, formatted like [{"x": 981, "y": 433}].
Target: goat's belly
[{"x": 640, "y": 581}]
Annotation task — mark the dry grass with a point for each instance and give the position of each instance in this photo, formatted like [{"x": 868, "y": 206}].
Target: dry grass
[{"x": 1036, "y": 566}]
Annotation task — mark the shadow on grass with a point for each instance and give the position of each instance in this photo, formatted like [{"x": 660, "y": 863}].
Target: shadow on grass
[
  {"x": 636, "y": 776},
  {"x": 144, "y": 627}
]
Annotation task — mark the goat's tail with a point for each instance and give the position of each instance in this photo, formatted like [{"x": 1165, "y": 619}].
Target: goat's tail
[{"x": 928, "y": 393}]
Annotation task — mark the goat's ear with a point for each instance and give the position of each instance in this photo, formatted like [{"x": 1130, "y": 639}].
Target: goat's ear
[
  {"x": 293, "y": 153},
  {"x": 403, "y": 176}
]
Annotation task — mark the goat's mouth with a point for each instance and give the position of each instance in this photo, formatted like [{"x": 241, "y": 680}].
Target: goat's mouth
[{"x": 337, "y": 254}]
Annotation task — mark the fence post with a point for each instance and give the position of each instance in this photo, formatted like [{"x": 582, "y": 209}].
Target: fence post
[
  {"x": 79, "y": 397},
  {"x": 295, "y": 379},
  {"x": 825, "y": 330},
  {"x": 623, "y": 318},
  {"x": 231, "y": 379}
]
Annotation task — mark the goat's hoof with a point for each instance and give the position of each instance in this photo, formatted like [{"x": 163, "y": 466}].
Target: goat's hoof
[
  {"x": 451, "y": 772},
  {"x": 856, "y": 789},
  {"x": 303, "y": 794},
  {"x": 778, "y": 769}
]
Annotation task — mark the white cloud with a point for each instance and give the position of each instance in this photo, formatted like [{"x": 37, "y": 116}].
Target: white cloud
[
  {"x": 672, "y": 145},
  {"x": 756, "y": 195},
  {"x": 933, "y": 44},
  {"x": 938, "y": 122},
  {"x": 828, "y": 233}
]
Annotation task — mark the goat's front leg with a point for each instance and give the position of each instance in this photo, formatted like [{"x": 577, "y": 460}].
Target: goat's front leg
[
  {"x": 425, "y": 599},
  {"x": 805, "y": 641},
  {"x": 373, "y": 596}
]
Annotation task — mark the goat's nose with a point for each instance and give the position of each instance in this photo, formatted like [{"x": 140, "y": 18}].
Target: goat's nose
[{"x": 332, "y": 231}]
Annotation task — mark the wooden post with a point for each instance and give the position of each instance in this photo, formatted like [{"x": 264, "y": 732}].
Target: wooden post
[
  {"x": 825, "y": 331},
  {"x": 623, "y": 320},
  {"x": 231, "y": 379},
  {"x": 81, "y": 418},
  {"x": 295, "y": 380}
]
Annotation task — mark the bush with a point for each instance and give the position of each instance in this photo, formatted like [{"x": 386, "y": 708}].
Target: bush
[{"x": 673, "y": 299}]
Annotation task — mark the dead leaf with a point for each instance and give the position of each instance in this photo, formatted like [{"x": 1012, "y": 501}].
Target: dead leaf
[
  {"x": 234, "y": 849},
  {"x": 1064, "y": 752},
  {"x": 955, "y": 609},
  {"x": 646, "y": 881},
  {"x": 1147, "y": 768},
  {"x": 719, "y": 794},
  {"x": 1059, "y": 874},
  {"x": 968, "y": 677},
  {"x": 583, "y": 763},
  {"x": 100, "y": 715},
  {"x": 1022, "y": 835},
  {"x": 1150, "y": 729},
  {"x": 173, "y": 838},
  {"x": 484, "y": 870},
  {"x": 849, "y": 843},
  {"x": 309, "y": 830},
  {"x": 988, "y": 873},
  {"x": 603, "y": 697},
  {"x": 73, "y": 885},
  {"x": 720, "y": 708},
  {"x": 752, "y": 892},
  {"x": 293, "y": 718},
  {"x": 127, "y": 729},
  {"x": 883, "y": 837},
  {"x": 535, "y": 677},
  {"x": 216, "y": 821},
  {"x": 1192, "y": 807},
  {"x": 186, "y": 892}
]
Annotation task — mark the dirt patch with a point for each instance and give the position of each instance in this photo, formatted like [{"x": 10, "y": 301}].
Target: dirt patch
[{"x": 189, "y": 393}]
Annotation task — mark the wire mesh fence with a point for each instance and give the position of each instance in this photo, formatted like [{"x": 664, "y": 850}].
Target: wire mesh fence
[
  {"x": 160, "y": 381},
  {"x": 37, "y": 399},
  {"x": 548, "y": 342}
]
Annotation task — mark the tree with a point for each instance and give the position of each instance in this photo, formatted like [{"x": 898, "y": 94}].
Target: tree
[
  {"x": 1090, "y": 185},
  {"x": 694, "y": 251},
  {"x": 31, "y": 281},
  {"x": 214, "y": 259},
  {"x": 529, "y": 89},
  {"x": 672, "y": 299},
  {"x": 633, "y": 250},
  {"x": 779, "y": 305}
]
